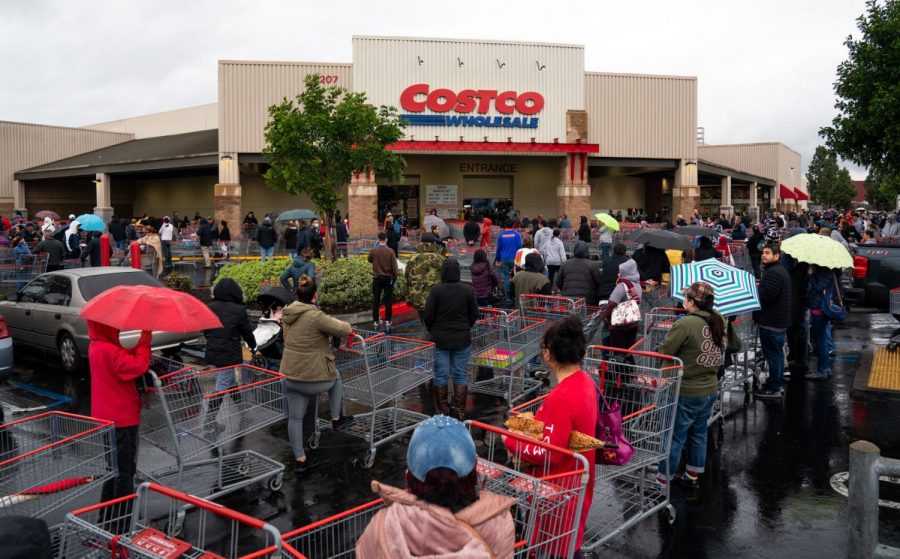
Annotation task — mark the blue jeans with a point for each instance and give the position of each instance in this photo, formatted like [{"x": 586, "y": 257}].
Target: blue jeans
[
  {"x": 690, "y": 429},
  {"x": 451, "y": 364},
  {"x": 820, "y": 336},
  {"x": 507, "y": 267},
  {"x": 772, "y": 344},
  {"x": 120, "y": 244},
  {"x": 266, "y": 253},
  {"x": 604, "y": 251},
  {"x": 167, "y": 252}
]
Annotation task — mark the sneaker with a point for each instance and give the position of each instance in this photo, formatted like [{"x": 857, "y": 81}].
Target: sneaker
[
  {"x": 340, "y": 423},
  {"x": 301, "y": 468},
  {"x": 768, "y": 393},
  {"x": 661, "y": 482},
  {"x": 786, "y": 373},
  {"x": 541, "y": 375},
  {"x": 816, "y": 376}
]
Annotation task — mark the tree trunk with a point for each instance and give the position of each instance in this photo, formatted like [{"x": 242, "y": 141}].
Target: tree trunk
[{"x": 329, "y": 247}]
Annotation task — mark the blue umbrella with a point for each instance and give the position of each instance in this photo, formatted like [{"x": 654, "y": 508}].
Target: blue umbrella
[
  {"x": 297, "y": 215},
  {"x": 91, "y": 222},
  {"x": 734, "y": 290}
]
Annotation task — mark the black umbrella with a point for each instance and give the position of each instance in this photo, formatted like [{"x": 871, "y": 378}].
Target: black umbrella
[
  {"x": 695, "y": 231},
  {"x": 274, "y": 296},
  {"x": 661, "y": 239}
]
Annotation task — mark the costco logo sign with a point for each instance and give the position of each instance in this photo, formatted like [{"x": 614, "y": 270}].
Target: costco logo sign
[{"x": 470, "y": 107}]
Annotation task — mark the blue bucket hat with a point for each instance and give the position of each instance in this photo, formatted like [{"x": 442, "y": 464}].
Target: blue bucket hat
[{"x": 440, "y": 442}]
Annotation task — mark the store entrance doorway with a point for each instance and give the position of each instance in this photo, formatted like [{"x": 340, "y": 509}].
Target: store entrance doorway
[
  {"x": 488, "y": 196},
  {"x": 397, "y": 199}
]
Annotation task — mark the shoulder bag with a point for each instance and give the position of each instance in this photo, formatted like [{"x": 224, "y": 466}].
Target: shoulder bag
[
  {"x": 609, "y": 430},
  {"x": 834, "y": 310},
  {"x": 628, "y": 312}
]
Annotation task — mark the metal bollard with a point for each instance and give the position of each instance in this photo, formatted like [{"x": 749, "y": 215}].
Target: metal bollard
[{"x": 863, "y": 500}]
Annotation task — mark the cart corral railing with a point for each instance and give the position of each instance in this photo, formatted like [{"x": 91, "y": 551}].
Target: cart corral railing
[{"x": 866, "y": 467}]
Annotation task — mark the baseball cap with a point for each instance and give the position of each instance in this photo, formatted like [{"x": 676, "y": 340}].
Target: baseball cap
[
  {"x": 440, "y": 442},
  {"x": 699, "y": 291}
]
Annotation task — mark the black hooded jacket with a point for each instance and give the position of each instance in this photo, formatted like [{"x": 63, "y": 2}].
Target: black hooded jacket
[
  {"x": 223, "y": 345},
  {"x": 610, "y": 274},
  {"x": 451, "y": 310},
  {"x": 584, "y": 230},
  {"x": 471, "y": 231},
  {"x": 579, "y": 276},
  {"x": 204, "y": 233},
  {"x": 266, "y": 235}
]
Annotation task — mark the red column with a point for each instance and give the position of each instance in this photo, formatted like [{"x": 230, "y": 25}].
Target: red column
[
  {"x": 104, "y": 250},
  {"x": 135, "y": 250}
]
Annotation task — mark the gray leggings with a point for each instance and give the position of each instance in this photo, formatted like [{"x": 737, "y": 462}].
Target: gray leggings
[{"x": 299, "y": 395}]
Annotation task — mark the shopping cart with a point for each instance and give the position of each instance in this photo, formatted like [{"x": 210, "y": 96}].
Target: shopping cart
[
  {"x": 51, "y": 459},
  {"x": 376, "y": 371},
  {"x": 553, "y": 308},
  {"x": 144, "y": 525},
  {"x": 185, "y": 248},
  {"x": 895, "y": 302},
  {"x": 656, "y": 296},
  {"x": 505, "y": 342},
  {"x": 21, "y": 274},
  {"x": 646, "y": 385},
  {"x": 187, "y": 420},
  {"x": 546, "y": 513}
]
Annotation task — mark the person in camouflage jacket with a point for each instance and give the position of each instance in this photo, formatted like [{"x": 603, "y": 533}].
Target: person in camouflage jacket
[{"x": 423, "y": 271}]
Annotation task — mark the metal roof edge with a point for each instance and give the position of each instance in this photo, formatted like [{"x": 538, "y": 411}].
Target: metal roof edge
[
  {"x": 775, "y": 143},
  {"x": 58, "y": 127},
  {"x": 284, "y": 63},
  {"x": 185, "y": 161},
  {"x": 630, "y": 75},
  {"x": 452, "y": 40},
  {"x": 737, "y": 173}
]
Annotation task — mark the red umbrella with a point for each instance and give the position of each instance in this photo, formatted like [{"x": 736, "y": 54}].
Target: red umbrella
[
  {"x": 46, "y": 213},
  {"x": 141, "y": 307}
]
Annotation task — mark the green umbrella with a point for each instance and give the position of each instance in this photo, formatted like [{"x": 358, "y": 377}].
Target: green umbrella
[
  {"x": 818, "y": 250},
  {"x": 608, "y": 220}
]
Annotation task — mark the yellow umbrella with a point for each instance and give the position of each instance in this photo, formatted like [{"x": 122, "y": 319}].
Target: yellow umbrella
[
  {"x": 818, "y": 250},
  {"x": 608, "y": 220}
]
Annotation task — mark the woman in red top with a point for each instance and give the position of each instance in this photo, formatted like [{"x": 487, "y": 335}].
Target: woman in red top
[
  {"x": 570, "y": 406},
  {"x": 114, "y": 397}
]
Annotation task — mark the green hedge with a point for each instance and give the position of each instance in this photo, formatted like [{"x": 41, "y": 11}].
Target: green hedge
[{"x": 345, "y": 285}]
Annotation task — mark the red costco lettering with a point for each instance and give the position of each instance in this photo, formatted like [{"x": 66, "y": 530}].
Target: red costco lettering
[{"x": 416, "y": 98}]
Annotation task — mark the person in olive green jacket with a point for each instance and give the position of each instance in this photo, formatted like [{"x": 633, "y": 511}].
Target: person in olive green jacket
[
  {"x": 700, "y": 339},
  {"x": 308, "y": 364}
]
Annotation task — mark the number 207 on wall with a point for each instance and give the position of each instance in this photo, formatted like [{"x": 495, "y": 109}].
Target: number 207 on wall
[{"x": 328, "y": 79}]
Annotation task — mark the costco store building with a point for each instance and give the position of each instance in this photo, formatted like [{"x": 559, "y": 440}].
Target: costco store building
[{"x": 491, "y": 125}]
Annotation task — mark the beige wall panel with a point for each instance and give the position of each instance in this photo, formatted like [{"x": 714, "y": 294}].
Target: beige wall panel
[
  {"x": 641, "y": 115},
  {"x": 617, "y": 193},
  {"x": 179, "y": 121},
  {"x": 28, "y": 145},
  {"x": 186, "y": 195},
  {"x": 384, "y": 66},
  {"x": 247, "y": 89},
  {"x": 771, "y": 160},
  {"x": 259, "y": 198}
]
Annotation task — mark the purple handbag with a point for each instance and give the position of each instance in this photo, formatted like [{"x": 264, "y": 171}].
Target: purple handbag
[{"x": 609, "y": 430}]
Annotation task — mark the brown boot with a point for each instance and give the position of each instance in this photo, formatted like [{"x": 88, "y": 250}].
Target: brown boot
[
  {"x": 441, "y": 405},
  {"x": 460, "y": 399}
]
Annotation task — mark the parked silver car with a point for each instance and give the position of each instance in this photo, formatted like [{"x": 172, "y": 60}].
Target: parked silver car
[{"x": 44, "y": 313}]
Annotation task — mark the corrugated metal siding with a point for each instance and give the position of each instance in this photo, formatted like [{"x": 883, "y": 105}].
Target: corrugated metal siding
[
  {"x": 248, "y": 89},
  {"x": 756, "y": 159},
  {"x": 641, "y": 115},
  {"x": 384, "y": 66},
  {"x": 27, "y": 145}
]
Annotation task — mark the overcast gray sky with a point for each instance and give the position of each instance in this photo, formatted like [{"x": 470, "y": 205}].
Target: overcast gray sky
[{"x": 765, "y": 67}]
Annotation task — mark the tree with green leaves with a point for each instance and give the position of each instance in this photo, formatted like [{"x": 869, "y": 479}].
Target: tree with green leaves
[
  {"x": 829, "y": 183},
  {"x": 866, "y": 129},
  {"x": 881, "y": 191},
  {"x": 314, "y": 145}
]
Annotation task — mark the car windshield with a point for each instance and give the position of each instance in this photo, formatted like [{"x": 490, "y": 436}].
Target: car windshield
[{"x": 91, "y": 286}]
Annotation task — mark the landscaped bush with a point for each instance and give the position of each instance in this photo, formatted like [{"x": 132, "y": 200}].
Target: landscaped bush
[
  {"x": 345, "y": 285},
  {"x": 179, "y": 282}
]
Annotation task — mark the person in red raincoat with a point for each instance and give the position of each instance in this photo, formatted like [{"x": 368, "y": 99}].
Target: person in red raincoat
[
  {"x": 572, "y": 405},
  {"x": 114, "y": 397},
  {"x": 486, "y": 232}
]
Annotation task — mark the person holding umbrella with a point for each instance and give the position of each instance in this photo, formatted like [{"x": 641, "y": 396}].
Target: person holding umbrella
[
  {"x": 223, "y": 345},
  {"x": 115, "y": 398}
]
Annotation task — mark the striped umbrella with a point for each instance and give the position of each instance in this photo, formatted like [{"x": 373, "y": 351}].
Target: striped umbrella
[{"x": 734, "y": 289}]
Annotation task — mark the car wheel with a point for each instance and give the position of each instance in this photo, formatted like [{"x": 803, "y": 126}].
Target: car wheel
[{"x": 68, "y": 353}]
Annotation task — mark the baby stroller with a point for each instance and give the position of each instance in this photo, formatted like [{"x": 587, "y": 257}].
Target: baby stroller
[{"x": 268, "y": 332}]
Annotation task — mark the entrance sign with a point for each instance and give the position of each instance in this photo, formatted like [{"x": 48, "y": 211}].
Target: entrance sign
[{"x": 443, "y": 198}]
